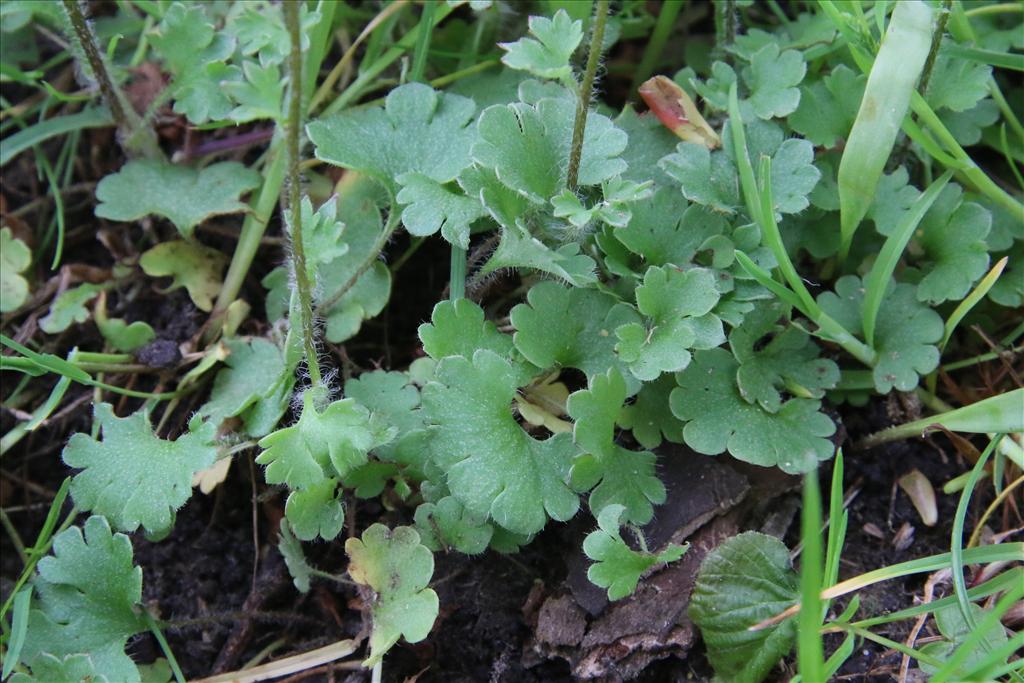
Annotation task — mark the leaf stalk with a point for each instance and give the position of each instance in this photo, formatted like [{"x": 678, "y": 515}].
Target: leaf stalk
[
  {"x": 583, "y": 103},
  {"x": 294, "y": 125}
]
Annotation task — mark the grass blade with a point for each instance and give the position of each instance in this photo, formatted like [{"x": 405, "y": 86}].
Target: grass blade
[
  {"x": 887, "y": 95},
  {"x": 19, "y": 628},
  {"x": 956, "y": 555},
  {"x": 877, "y": 280},
  {"x": 44, "y": 130},
  {"x": 994, "y": 415},
  {"x": 972, "y": 300},
  {"x": 809, "y": 646}
]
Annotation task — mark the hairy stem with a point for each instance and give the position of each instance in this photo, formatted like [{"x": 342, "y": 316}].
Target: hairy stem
[
  {"x": 294, "y": 124},
  {"x": 382, "y": 241},
  {"x": 583, "y": 104},
  {"x": 933, "y": 52},
  {"x": 136, "y": 138}
]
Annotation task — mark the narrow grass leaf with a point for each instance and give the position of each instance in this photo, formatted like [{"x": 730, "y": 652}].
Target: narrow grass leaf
[
  {"x": 886, "y": 99},
  {"x": 877, "y": 281},
  {"x": 809, "y": 646}
]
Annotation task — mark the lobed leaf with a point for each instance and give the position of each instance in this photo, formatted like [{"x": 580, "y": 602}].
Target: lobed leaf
[
  {"x": 618, "y": 567},
  {"x": 548, "y": 53},
  {"x": 15, "y": 258},
  {"x": 89, "y": 595},
  {"x": 418, "y": 130},
  {"x": 398, "y": 568},
  {"x": 131, "y": 476},
  {"x": 183, "y": 195},
  {"x": 718, "y": 418},
  {"x": 494, "y": 468}
]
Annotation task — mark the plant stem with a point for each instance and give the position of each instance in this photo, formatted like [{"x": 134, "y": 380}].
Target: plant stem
[
  {"x": 933, "y": 52},
  {"x": 583, "y": 104},
  {"x": 662, "y": 29},
  {"x": 725, "y": 25},
  {"x": 294, "y": 124},
  {"x": 135, "y": 137},
  {"x": 389, "y": 228},
  {"x": 457, "y": 274},
  {"x": 253, "y": 226}
]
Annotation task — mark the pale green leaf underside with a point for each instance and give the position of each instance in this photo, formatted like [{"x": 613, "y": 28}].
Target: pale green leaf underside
[
  {"x": 181, "y": 194},
  {"x": 132, "y": 477},
  {"x": 493, "y": 467}
]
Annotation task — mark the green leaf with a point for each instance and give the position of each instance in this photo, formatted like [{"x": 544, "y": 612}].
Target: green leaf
[
  {"x": 89, "y": 595},
  {"x": 258, "y": 95},
  {"x": 715, "y": 90},
  {"x": 132, "y": 477},
  {"x": 316, "y": 511},
  {"x": 502, "y": 203},
  {"x": 789, "y": 361},
  {"x": 549, "y": 53},
  {"x": 828, "y": 106},
  {"x": 622, "y": 477},
  {"x": 618, "y": 567},
  {"x": 519, "y": 249},
  {"x": 447, "y": 524},
  {"x": 69, "y": 308},
  {"x": 322, "y": 233},
  {"x": 717, "y": 418},
  {"x": 181, "y": 194},
  {"x": 649, "y": 141},
  {"x": 743, "y": 582},
  {"x": 432, "y": 206},
  {"x": 956, "y": 83},
  {"x": 76, "y": 668},
  {"x": 773, "y": 78},
  {"x": 528, "y": 147},
  {"x": 493, "y": 467},
  {"x": 261, "y": 29},
  {"x": 707, "y": 178},
  {"x": 395, "y": 399},
  {"x": 966, "y": 127},
  {"x": 677, "y": 304},
  {"x": 893, "y": 198},
  {"x": 955, "y": 629},
  {"x": 254, "y": 371},
  {"x": 953, "y": 236},
  {"x": 650, "y": 416},
  {"x": 906, "y": 331},
  {"x": 398, "y": 568},
  {"x": 194, "y": 51},
  {"x": 123, "y": 336},
  {"x": 15, "y": 258},
  {"x": 570, "y": 327},
  {"x": 372, "y": 289},
  {"x": 458, "y": 328},
  {"x": 193, "y": 266},
  {"x": 291, "y": 550},
  {"x": 419, "y": 130},
  {"x": 666, "y": 229},
  {"x": 322, "y": 444},
  {"x": 1009, "y": 288}
]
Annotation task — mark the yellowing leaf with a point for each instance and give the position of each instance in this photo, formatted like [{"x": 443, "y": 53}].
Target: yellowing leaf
[
  {"x": 193, "y": 266},
  {"x": 398, "y": 568}
]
